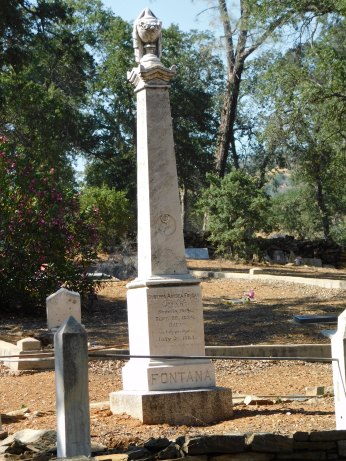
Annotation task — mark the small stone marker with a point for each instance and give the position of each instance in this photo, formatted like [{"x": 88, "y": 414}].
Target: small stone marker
[
  {"x": 60, "y": 305},
  {"x": 315, "y": 318},
  {"x": 279, "y": 257},
  {"x": 196, "y": 253},
  {"x": 315, "y": 262},
  {"x": 28, "y": 344},
  {"x": 339, "y": 371},
  {"x": 72, "y": 393}
]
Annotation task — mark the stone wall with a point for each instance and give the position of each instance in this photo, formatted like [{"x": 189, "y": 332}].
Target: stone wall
[{"x": 326, "y": 445}]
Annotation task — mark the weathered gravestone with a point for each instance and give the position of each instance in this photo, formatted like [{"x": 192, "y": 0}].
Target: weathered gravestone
[
  {"x": 338, "y": 342},
  {"x": 60, "y": 305},
  {"x": 164, "y": 302},
  {"x": 196, "y": 253},
  {"x": 72, "y": 392}
]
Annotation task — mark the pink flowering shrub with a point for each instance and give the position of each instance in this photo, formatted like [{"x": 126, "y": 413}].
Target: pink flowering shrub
[{"x": 45, "y": 242}]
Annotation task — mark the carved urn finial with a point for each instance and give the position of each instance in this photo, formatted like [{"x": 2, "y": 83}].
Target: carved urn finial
[{"x": 147, "y": 37}]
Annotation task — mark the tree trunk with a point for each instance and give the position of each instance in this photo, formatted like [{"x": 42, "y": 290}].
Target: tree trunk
[
  {"x": 235, "y": 66},
  {"x": 323, "y": 209},
  {"x": 226, "y": 138},
  {"x": 236, "y": 57},
  {"x": 183, "y": 205}
]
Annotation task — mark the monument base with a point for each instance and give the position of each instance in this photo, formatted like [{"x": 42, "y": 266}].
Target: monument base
[
  {"x": 191, "y": 407},
  {"x": 170, "y": 375}
]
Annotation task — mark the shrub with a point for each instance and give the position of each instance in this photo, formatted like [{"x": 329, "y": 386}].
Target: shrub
[
  {"x": 109, "y": 211},
  {"x": 45, "y": 241},
  {"x": 235, "y": 210},
  {"x": 295, "y": 212}
]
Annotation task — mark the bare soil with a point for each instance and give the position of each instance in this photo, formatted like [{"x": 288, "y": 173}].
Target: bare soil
[{"x": 267, "y": 320}]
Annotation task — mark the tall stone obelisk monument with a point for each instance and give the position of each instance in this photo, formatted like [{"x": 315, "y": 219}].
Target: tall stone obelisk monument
[{"x": 165, "y": 314}]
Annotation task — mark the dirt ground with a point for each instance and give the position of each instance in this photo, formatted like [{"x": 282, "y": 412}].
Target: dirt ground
[{"x": 267, "y": 320}]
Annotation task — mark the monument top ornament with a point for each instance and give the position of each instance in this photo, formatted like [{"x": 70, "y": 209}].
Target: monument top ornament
[
  {"x": 147, "y": 43},
  {"x": 147, "y": 34}
]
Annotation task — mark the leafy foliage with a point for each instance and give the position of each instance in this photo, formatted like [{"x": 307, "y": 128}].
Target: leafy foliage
[
  {"x": 296, "y": 213},
  {"x": 306, "y": 87},
  {"x": 236, "y": 209},
  {"x": 109, "y": 212},
  {"x": 44, "y": 239}
]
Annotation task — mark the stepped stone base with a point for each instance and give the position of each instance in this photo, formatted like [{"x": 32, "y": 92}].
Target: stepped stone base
[{"x": 190, "y": 407}]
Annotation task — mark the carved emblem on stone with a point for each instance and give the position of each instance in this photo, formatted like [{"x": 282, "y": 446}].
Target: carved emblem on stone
[
  {"x": 166, "y": 224},
  {"x": 147, "y": 35}
]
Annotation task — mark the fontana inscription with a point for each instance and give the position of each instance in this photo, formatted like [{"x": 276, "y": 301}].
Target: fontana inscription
[{"x": 203, "y": 377}]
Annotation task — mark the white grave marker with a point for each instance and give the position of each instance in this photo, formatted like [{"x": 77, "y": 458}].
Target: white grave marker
[{"x": 61, "y": 305}]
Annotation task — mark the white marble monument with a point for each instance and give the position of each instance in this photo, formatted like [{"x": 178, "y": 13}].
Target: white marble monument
[{"x": 165, "y": 313}]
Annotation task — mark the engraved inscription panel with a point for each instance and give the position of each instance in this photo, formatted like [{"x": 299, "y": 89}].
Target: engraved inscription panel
[
  {"x": 189, "y": 377},
  {"x": 176, "y": 321}
]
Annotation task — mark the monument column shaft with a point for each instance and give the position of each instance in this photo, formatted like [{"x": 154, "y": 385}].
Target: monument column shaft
[{"x": 160, "y": 234}]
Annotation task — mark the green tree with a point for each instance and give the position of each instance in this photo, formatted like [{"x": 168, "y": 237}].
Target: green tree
[
  {"x": 109, "y": 212},
  {"x": 43, "y": 83},
  {"x": 111, "y": 157},
  {"x": 307, "y": 90},
  {"x": 45, "y": 68},
  {"x": 45, "y": 242},
  {"x": 295, "y": 212},
  {"x": 256, "y": 22},
  {"x": 236, "y": 210}
]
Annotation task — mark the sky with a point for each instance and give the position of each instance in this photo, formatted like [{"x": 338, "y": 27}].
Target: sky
[{"x": 185, "y": 13}]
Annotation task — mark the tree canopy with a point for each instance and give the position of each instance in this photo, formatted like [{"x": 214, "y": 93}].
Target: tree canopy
[{"x": 275, "y": 103}]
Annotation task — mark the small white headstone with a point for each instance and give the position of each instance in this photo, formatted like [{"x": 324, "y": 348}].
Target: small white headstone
[
  {"x": 61, "y": 305},
  {"x": 29, "y": 344}
]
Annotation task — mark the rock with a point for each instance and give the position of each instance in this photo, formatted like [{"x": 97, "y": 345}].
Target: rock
[
  {"x": 39, "y": 442},
  {"x": 272, "y": 443},
  {"x": 41, "y": 439},
  {"x": 156, "y": 445},
  {"x": 97, "y": 448},
  {"x": 139, "y": 453},
  {"x": 315, "y": 390},
  {"x": 7, "y": 441},
  {"x": 46, "y": 338},
  {"x": 300, "y": 436},
  {"x": 214, "y": 444},
  {"x": 342, "y": 447},
  {"x": 181, "y": 440},
  {"x": 15, "y": 448},
  {"x": 248, "y": 456},
  {"x": 171, "y": 452},
  {"x": 326, "y": 436}
]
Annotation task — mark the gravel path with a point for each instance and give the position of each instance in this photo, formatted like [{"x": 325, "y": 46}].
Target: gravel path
[{"x": 268, "y": 320}]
